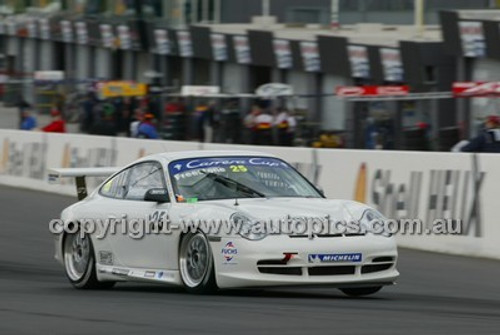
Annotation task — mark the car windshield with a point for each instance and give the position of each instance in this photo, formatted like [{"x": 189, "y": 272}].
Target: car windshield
[{"x": 218, "y": 178}]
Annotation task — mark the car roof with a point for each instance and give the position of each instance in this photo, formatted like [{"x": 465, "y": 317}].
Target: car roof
[{"x": 173, "y": 156}]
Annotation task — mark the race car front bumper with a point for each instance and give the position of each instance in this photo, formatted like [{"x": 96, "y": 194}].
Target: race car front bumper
[{"x": 354, "y": 261}]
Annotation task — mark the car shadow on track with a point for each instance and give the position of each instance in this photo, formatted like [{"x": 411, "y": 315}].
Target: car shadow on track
[{"x": 303, "y": 293}]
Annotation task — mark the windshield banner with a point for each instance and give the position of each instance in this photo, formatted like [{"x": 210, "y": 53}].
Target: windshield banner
[{"x": 224, "y": 162}]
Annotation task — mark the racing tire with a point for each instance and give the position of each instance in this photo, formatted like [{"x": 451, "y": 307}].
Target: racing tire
[
  {"x": 79, "y": 263},
  {"x": 360, "y": 291},
  {"x": 196, "y": 264}
]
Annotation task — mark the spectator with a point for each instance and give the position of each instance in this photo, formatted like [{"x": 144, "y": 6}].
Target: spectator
[
  {"x": 58, "y": 125},
  {"x": 28, "y": 121},
  {"x": 285, "y": 124},
  {"x": 147, "y": 128},
  {"x": 22, "y": 106},
  {"x": 136, "y": 122},
  {"x": 489, "y": 140},
  {"x": 106, "y": 125},
  {"x": 250, "y": 125},
  {"x": 88, "y": 111},
  {"x": 264, "y": 128},
  {"x": 202, "y": 121}
]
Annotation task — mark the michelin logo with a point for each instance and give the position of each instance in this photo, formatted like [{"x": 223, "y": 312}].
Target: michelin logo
[{"x": 335, "y": 258}]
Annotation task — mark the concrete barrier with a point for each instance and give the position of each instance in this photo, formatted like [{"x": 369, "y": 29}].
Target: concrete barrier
[{"x": 402, "y": 185}]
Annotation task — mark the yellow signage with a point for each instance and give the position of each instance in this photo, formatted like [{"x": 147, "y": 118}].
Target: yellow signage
[{"x": 115, "y": 89}]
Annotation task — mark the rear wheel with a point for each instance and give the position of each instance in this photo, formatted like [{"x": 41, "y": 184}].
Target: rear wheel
[
  {"x": 79, "y": 262},
  {"x": 196, "y": 264},
  {"x": 361, "y": 291}
]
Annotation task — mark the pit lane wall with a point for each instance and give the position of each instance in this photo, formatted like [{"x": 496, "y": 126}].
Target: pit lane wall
[{"x": 426, "y": 186}]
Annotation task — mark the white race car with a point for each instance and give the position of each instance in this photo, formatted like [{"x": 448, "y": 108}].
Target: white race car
[{"x": 218, "y": 220}]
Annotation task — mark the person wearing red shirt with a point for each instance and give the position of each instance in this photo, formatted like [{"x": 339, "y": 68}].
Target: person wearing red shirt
[{"x": 58, "y": 125}]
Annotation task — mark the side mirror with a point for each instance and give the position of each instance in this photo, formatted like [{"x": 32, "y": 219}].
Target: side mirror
[{"x": 159, "y": 195}]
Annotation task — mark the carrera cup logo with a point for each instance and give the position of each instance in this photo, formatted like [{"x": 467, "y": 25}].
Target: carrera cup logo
[
  {"x": 229, "y": 252},
  {"x": 335, "y": 258}
]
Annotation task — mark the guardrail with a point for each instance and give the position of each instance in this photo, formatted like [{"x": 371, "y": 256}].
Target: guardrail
[{"x": 426, "y": 186}]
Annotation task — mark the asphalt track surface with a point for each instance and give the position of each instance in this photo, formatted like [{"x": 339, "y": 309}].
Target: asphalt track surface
[{"x": 436, "y": 294}]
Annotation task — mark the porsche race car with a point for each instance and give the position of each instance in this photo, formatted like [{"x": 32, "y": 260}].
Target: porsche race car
[{"x": 219, "y": 208}]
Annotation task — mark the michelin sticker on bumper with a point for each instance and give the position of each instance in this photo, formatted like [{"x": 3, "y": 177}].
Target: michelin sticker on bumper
[{"x": 335, "y": 258}]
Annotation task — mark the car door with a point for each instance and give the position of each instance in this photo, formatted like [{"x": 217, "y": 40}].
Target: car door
[{"x": 139, "y": 247}]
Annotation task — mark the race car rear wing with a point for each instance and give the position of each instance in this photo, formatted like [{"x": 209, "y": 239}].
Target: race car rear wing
[{"x": 55, "y": 176}]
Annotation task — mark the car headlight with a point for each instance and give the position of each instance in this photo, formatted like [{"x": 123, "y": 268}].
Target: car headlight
[
  {"x": 248, "y": 228},
  {"x": 374, "y": 222}
]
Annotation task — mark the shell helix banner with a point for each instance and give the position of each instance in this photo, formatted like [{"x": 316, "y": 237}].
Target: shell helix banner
[{"x": 459, "y": 188}]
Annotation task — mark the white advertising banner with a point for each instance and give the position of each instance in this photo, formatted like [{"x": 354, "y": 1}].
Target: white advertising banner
[
  {"x": 460, "y": 190},
  {"x": 162, "y": 42},
  {"x": 310, "y": 56},
  {"x": 392, "y": 64},
  {"x": 44, "y": 27},
  {"x": 11, "y": 27},
  {"x": 360, "y": 63},
  {"x": 107, "y": 36},
  {"x": 66, "y": 31},
  {"x": 428, "y": 187},
  {"x": 473, "y": 40},
  {"x": 32, "y": 28},
  {"x": 242, "y": 49},
  {"x": 185, "y": 43},
  {"x": 283, "y": 52},
  {"x": 82, "y": 35},
  {"x": 219, "y": 47},
  {"x": 124, "y": 37}
]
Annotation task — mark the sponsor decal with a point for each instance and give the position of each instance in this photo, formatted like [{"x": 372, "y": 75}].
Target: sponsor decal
[
  {"x": 120, "y": 272},
  {"x": 158, "y": 219},
  {"x": 213, "y": 163},
  {"x": 469, "y": 89},
  {"x": 229, "y": 252},
  {"x": 149, "y": 274},
  {"x": 359, "y": 91},
  {"x": 164, "y": 275},
  {"x": 106, "y": 257},
  {"x": 335, "y": 258},
  {"x": 26, "y": 159},
  {"x": 446, "y": 194}
]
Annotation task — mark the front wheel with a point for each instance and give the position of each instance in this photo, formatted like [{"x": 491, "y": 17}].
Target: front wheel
[
  {"x": 361, "y": 291},
  {"x": 79, "y": 263},
  {"x": 196, "y": 264}
]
